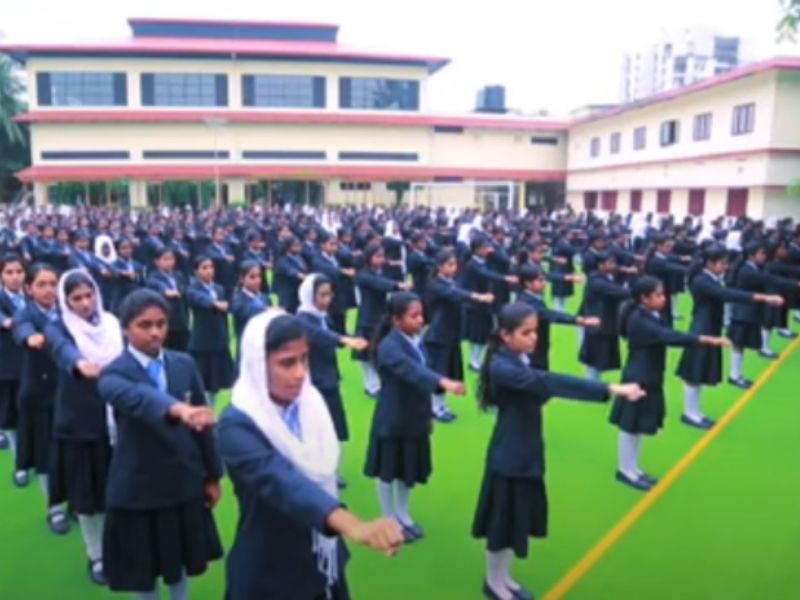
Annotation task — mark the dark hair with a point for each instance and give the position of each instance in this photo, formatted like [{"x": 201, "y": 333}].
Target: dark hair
[
  {"x": 529, "y": 272},
  {"x": 162, "y": 251},
  {"x": 199, "y": 260},
  {"x": 371, "y": 250},
  {"x": 10, "y": 258},
  {"x": 282, "y": 330},
  {"x": 324, "y": 237},
  {"x": 246, "y": 267},
  {"x": 750, "y": 250},
  {"x": 443, "y": 256},
  {"x": 75, "y": 280},
  {"x": 286, "y": 244},
  {"x": 658, "y": 240},
  {"x": 396, "y": 306},
  {"x": 36, "y": 268},
  {"x": 642, "y": 287},
  {"x": 319, "y": 281},
  {"x": 510, "y": 317},
  {"x": 139, "y": 301},
  {"x": 711, "y": 254}
]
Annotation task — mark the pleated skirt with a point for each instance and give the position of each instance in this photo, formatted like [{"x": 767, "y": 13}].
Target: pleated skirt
[
  {"x": 396, "y": 458},
  {"x": 8, "y": 404},
  {"x": 745, "y": 335},
  {"x": 701, "y": 365},
  {"x": 217, "y": 369},
  {"x": 643, "y": 417},
  {"x": 78, "y": 474},
  {"x": 446, "y": 360},
  {"x": 600, "y": 351}
]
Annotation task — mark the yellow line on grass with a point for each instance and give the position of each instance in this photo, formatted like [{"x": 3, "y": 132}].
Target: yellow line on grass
[{"x": 593, "y": 556}]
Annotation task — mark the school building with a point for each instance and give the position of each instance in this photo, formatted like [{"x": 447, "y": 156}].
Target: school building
[{"x": 186, "y": 111}]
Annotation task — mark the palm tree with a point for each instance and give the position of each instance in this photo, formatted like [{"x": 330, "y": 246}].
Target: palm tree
[{"x": 10, "y": 105}]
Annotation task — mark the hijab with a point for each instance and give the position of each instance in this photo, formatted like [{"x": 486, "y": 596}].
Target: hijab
[
  {"x": 101, "y": 241},
  {"x": 305, "y": 294}
]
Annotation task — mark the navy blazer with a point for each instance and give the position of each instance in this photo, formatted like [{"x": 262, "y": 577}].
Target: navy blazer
[
  {"x": 602, "y": 297},
  {"x": 323, "y": 342},
  {"x": 479, "y": 278},
  {"x": 209, "y": 325},
  {"x": 709, "y": 297},
  {"x": 648, "y": 338},
  {"x": 38, "y": 374},
  {"x": 121, "y": 285},
  {"x": 80, "y": 413},
  {"x": 516, "y": 448},
  {"x": 271, "y": 557},
  {"x": 540, "y": 358},
  {"x": 754, "y": 279},
  {"x": 443, "y": 304},
  {"x": 224, "y": 269},
  {"x": 10, "y": 351},
  {"x": 244, "y": 307},
  {"x": 420, "y": 266},
  {"x": 404, "y": 400},
  {"x": 373, "y": 287},
  {"x": 178, "y": 307},
  {"x": 157, "y": 462},
  {"x": 286, "y": 280},
  {"x": 331, "y": 269},
  {"x": 259, "y": 257}
]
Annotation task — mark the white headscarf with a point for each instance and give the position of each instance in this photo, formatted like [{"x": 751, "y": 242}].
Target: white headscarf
[
  {"x": 99, "y": 242},
  {"x": 733, "y": 241},
  {"x": 317, "y": 454},
  {"x": 466, "y": 229},
  {"x": 305, "y": 294}
]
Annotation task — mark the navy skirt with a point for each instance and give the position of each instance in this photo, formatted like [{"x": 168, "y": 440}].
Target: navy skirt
[
  {"x": 643, "y": 417},
  {"x": 745, "y": 335},
  {"x": 177, "y": 340},
  {"x": 366, "y": 333},
  {"x": 776, "y": 317},
  {"x": 216, "y": 368},
  {"x": 78, "y": 473},
  {"x": 510, "y": 511},
  {"x": 446, "y": 360},
  {"x": 600, "y": 351},
  {"x": 477, "y": 326},
  {"x": 8, "y": 404},
  {"x": 34, "y": 438},
  {"x": 701, "y": 365},
  {"x": 396, "y": 458},
  {"x": 165, "y": 542},
  {"x": 333, "y": 399}
]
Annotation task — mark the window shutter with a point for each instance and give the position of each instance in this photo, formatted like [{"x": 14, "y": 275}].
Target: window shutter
[
  {"x": 148, "y": 92},
  {"x": 44, "y": 94}
]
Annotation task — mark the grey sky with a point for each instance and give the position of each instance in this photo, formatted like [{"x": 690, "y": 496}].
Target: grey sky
[{"x": 548, "y": 54}]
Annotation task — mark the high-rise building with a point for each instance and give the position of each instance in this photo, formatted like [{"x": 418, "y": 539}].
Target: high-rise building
[{"x": 681, "y": 58}]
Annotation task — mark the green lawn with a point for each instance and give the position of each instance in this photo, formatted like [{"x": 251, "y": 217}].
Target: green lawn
[{"x": 728, "y": 528}]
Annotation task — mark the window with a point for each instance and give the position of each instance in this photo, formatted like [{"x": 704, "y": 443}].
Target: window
[
  {"x": 680, "y": 64},
  {"x": 81, "y": 88},
  {"x": 608, "y": 201},
  {"x": 354, "y": 185},
  {"x": 669, "y": 133},
  {"x": 702, "y": 127},
  {"x": 283, "y": 91},
  {"x": 184, "y": 89},
  {"x": 636, "y": 200},
  {"x": 663, "y": 198},
  {"x": 744, "y": 118},
  {"x": 737, "y": 202},
  {"x": 378, "y": 94},
  {"x": 589, "y": 200},
  {"x": 614, "y": 143},
  {"x": 594, "y": 148},
  {"x": 544, "y": 141},
  {"x": 639, "y": 138},
  {"x": 697, "y": 202}
]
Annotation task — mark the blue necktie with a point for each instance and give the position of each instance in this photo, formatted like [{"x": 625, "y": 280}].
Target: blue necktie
[
  {"x": 324, "y": 323},
  {"x": 154, "y": 372},
  {"x": 420, "y": 352},
  {"x": 291, "y": 417},
  {"x": 18, "y": 301}
]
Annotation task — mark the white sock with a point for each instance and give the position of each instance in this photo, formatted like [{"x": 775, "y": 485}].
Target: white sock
[
  {"x": 92, "y": 531},
  {"x": 675, "y": 312},
  {"x": 765, "y": 340},
  {"x": 593, "y": 373},
  {"x": 386, "y": 498},
  {"x": 691, "y": 402},
  {"x": 786, "y": 331},
  {"x": 475, "y": 355},
  {"x": 11, "y": 436},
  {"x": 402, "y": 512},
  {"x": 737, "y": 356},
  {"x": 211, "y": 398},
  {"x": 153, "y": 595},
  {"x": 560, "y": 303},
  {"x": 496, "y": 575},
  {"x": 506, "y": 557},
  {"x": 180, "y": 590},
  {"x": 797, "y": 314},
  {"x": 726, "y": 314},
  {"x": 438, "y": 404},
  {"x": 581, "y": 333},
  {"x": 44, "y": 485},
  {"x": 628, "y": 454},
  {"x": 372, "y": 382}
]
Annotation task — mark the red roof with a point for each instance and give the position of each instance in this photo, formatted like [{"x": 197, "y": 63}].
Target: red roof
[
  {"x": 275, "y": 116},
  {"x": 787, "y": 63},
  {"x": 256, "y": 171}
]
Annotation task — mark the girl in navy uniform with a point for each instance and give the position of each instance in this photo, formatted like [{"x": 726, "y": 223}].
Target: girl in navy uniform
[
  {"x": 248, "y": 299},
  {"x": 563, "y": 262},
  {"x": 208, "y": 341},
  {"x": 420, "y": 266},
  {"x": 325, "y": 262},
  {"x": 660, "y": 264},
  {"x": 348, "y": 258},
  {"x": 37, "y": 385},
  {"x": 129, "y": 273},
  {"x": 257, "y": 252},
  {"x": 399, "y": 452},
  {"x": 444, "y": 302},
  {"x": 395, "y": 249},
  {"x": 373, "y": 288},
  {"x": 533, "y": 283},
  {"x": 12, "y": 300},
  {"x": 165, "y": 472},
  {"x": 512, "y": 505},
  {"x": 478, "y": 278},
  {"x": 290, "y": 270},
  {"x": 642, "y": 322},
  {"x": 85, "y": 340},
  {"x": 105, "y": 257},
  {"x": 172, "y": 286},
  {"x": 602, "y": 298},
  {"x": 777, "y": 317},
  {"x": 223, "y": 259},
  {"x": 316, "y": 296},
  {"x": 281, "y": 452},
  {"x": 702, "y": 365}
]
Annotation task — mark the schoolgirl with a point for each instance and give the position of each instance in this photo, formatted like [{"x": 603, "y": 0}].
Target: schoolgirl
[
  {"x": 172, "y": 285},
  {"x": 129, "y": 274},
  {"x": 290, "y": 270},
  {"x": 326, "y": 263},
  {"x": 660, "y": 264},
  {"x": 248, "y": 299}
]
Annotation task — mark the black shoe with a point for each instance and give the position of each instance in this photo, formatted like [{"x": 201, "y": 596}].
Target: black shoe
[
  {"x": 58, "y": 522},
  {"x": 474, "y": 369},
  {"x": 703, "y": 423},
  {"x": 489, "y": 592},
  {"x": 21, "y": 479},
  {"x": 412, "y": 533},
  {"x": 3, "y": 441},
  {"x": 96, "y": 573},
  {"x": 768, "y": 354},
  {"x": 639, "y": 483},
  {"x": 450, "y": 414},
  {"x": 789, "y": 335},
  {"x": 648, "y": 479},
  {"x": 373, "y": 395},
  {"x": 341, "y": 483},
  {"x": 441, "y": 418},
  {"x": 740, "y": 383},
  {"x": 522, "y": 594}
]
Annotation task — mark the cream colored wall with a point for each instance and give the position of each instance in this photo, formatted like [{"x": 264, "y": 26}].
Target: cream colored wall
[
  {"x": 234, "y": 68},
  {"x": 719, "y": 100},
  {"x": 486, "y": 148},
  {"x": 378, "y": 194},
  {"x": 786, "y": 130},
  {"x": 778, "y": 203}
]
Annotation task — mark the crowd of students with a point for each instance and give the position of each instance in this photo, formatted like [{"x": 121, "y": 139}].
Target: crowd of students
[{"x": 112, "y": 362}]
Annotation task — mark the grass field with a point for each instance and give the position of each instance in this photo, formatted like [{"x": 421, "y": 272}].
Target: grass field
[{"x": 729, "y": 527}]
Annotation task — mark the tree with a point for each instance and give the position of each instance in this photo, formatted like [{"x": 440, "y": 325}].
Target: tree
[
  {"x": 14, "y": 154},
  {"x": 790, "y": 21}
]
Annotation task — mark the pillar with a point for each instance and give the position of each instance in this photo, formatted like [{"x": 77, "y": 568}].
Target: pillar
[
  {"x": 235, "y": 191},
  {"x": 137, "y": 193},
  {"x": 40, "y": 193}
]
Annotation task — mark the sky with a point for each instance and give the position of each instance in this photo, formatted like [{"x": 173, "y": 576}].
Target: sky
[{"x": 549, "y": 55}]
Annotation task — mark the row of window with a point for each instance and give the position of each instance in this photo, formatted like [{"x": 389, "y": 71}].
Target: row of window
[
  {"x": 79, "y": 88},
  {"x": 742, "y": 122},
  {"x": 736, "y": 201},
  {"x": 225, "y": 154}
]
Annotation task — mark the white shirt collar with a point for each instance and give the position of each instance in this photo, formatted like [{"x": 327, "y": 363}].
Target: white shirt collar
[
  {"x": 142, "y": 358},
  {"x": 717, "y": 278}
]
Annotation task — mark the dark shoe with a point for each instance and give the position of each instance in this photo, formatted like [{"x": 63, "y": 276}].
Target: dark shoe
[
  {"x": 412, "y": 533},
  {"x": 96, "y": 573},
  {"x": 703, "y": 423},
  {"x": 648, "y": 479},
  {"x": 789, "y": 335},
  {"x": 21, "y": 479},
  {"x": 341, "y": 483},
  {"x": 373, "y": 395},
  {"x": 3, "y": 441},
  {"x": 522, "y": 594},
  {"x": 444, "y": 417},
  {"x": 474, "y": 369},
  {"x": 639, "y": 483},
  {"x": 58, "y": 522},
  {"x": 450, "y": 414},
  {"x": 740, "y": 383},
  {"x": 489, "y": 592},
  {"x": 768, "y": 354}
]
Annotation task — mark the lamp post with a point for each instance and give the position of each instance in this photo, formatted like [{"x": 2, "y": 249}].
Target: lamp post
[{"x": 216, "y": 124}]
